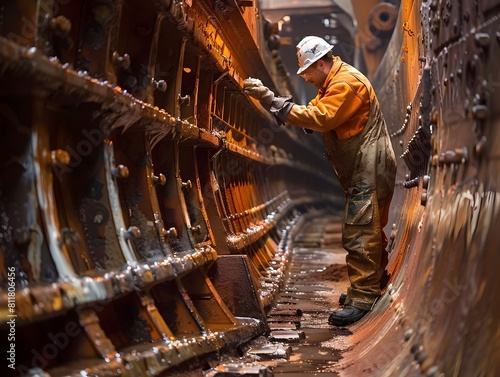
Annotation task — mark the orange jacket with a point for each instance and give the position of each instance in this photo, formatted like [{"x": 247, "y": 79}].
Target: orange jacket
[{"x": 342, "y": 105}]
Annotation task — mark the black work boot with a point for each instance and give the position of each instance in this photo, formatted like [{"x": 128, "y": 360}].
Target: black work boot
[
  {"x": 346, "y": 316},
  {"x": 342, "y": 298}
]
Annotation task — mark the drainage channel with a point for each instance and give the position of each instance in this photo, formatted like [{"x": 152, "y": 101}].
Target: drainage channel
[{"x": 300, "y": 341}]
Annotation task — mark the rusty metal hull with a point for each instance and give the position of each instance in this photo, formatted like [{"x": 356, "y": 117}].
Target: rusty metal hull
[
  {"x": 440, "y": 314},
  {"x": 131, "y": 161}
]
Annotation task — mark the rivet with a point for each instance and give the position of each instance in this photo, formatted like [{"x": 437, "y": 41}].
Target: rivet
[
  {"x": 480, "y": 112},
  {"x": 161, "y": 85},
  {"x": 433, "y": 371},
  {"x": 187, "y": 185},
  {"x": 434, "y": 160},
  {"x": 132, "y": 232},
  {"x": 69, "y": 237},
  {"x": 171, "y": 233},
  {"x": 425, "y": 181},
  {"x": 421, "y": 356},
  {"x": 423, "y": 198},
  {"x": 416, "y": 348},
  {"x": 195, "y": 229},
  {"x": 121, "y": 61},
  {"x": 408, "y": 334},
  {"x": 121, "y": 171},
  {"x": 60, "y": 157},
  {"x": 60, "y": 26},
  {"x": 458, "y": 155},
  {"x": 159, "y": 180},
  {"x": 482, "y": 39}
]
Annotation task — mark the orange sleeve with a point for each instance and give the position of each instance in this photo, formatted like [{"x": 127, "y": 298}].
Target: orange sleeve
[{"x": 339, "y": 103}]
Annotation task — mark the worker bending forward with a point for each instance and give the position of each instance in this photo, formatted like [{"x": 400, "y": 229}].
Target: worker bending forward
[{"x": 346, "y": 111}]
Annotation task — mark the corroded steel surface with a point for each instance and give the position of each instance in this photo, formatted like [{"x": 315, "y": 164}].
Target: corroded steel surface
[
  {"x": 130, "y": 161},
  {"x": 439, "y": 76}
]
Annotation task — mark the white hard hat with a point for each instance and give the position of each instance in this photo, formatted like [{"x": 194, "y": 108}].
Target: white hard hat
[{"x": 311, "y": 49}]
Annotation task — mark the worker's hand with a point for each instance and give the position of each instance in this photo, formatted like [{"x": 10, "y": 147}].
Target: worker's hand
[{"x": 255, "y": 88}]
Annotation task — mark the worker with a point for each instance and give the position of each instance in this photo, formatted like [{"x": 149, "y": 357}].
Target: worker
[{"x": 347, "y": 113}]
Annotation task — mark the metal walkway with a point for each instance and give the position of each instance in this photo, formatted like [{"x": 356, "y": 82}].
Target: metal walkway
[
  {"x": 317, "y": 277},
  {"x": 300, "y": 341}
]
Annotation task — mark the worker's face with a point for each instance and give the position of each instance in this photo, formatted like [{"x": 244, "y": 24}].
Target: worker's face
[{"x": 315, "y": 74}]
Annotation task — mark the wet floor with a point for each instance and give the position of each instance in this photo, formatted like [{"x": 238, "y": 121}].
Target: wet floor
[
  {"x": 299, "y": 319},
  {"x": 300, "y": 341}
]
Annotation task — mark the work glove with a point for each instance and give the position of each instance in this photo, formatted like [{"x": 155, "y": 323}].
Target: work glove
[
  {"x": 280, "y": 107},
  {"x": 254, "y": 88}
]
